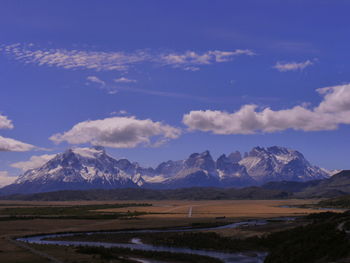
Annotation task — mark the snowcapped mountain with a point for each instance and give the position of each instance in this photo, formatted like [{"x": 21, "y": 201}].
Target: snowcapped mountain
[
  {"x": 280, "y": 164},
  {"x": 80, "y": 168},
  {"x": 86, "y": 168}
]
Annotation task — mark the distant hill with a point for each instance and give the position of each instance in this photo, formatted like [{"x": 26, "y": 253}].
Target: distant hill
[
  {"x": 93, "y": 168},
  {"x": 290, "y": 186},
  {"x": 337, "y": 185}
]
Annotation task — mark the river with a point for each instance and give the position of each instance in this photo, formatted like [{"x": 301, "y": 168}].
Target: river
[{"x": 242, "y": 257}]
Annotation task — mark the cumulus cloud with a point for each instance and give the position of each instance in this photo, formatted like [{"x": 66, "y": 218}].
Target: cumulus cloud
[
  {"x": 11, "y": 145},
  {"x": 333, "y": 110},
  {"x": 5, "y": 123},
  {"x": 118, "y": 132},
  {"x": 34, "y": 162},
  {"x": 292, "y": 66},
  {"x": 117, "y": 60},
  {"x": 6, "y": 179},
  {"x": 125, "y": 80}
]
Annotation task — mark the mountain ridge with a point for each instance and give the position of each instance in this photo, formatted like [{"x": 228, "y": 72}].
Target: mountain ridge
[{"x": 88, "y": 168}]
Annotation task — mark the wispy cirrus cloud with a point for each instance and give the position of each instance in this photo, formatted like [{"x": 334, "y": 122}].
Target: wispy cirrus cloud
[
  {"x": 11, "y": 145},
  {"x": 96, "y": 80},
  {"x": 119, "y": 112},
  {"x": 125, "y": 80},
  {"x": 292, "y": 66},
  {"x": 119, "y": 132},
  {"x": 332, "y": 111},
  {"x": 112, "y": 89},
  {"x": 117, "y": 60}
]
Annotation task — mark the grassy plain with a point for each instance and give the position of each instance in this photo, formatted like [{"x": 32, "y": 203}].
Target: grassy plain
[
  {"x": 230, "y": 209},
  {"x": 160, "y": 214}
]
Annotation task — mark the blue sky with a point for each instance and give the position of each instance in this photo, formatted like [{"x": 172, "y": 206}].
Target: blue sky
[{"x": 158, "y": 80}]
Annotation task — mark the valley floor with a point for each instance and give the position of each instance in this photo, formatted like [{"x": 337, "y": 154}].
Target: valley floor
[{"x": 17, "y": 220}]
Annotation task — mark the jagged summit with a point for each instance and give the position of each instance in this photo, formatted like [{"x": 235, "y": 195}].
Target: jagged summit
[{"x": 84, "y": 168}]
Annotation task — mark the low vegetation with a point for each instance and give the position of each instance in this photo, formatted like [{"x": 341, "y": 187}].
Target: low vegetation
[
  {"x": 338, "y": 202},
  {"x": 68, "y": 212}
]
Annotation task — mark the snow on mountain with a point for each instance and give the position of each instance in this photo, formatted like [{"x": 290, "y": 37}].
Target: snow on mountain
[{"x": 83, "y": 168}]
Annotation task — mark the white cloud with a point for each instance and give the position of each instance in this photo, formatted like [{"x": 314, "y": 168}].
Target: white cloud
[
  {"x": 119, "y": 61},
  {"x": 333, "y": 110},
  {"x": 292, "y": 66},
  {"x": 34, "y": 162},
  {"x": 6, "y": 179},
  {"x": 11, "y": 145},
  {"x": 125, "y": 80},
  {"x": 118, "y": 132},
  {"x": 96, "y": 80},
  {"x": 5, "y": 123},
  {"x": 8, "y": 144},
  {"x": 336, "y": 99}
]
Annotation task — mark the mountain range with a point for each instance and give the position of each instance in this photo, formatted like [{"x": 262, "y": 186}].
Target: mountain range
[{"x": 93, "y": 168}]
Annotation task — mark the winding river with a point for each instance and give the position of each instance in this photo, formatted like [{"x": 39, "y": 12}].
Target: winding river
[{"x": 136, "y": 243}]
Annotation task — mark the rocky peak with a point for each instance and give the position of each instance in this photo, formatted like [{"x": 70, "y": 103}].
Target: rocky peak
[
  {"x": 222, "y": 162},
  {"x": 228, "y": 167},
  {"x": 202, "y": 161},
  {"x": 124, "y": 164},
  {"x": 235, "y": 157}
]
